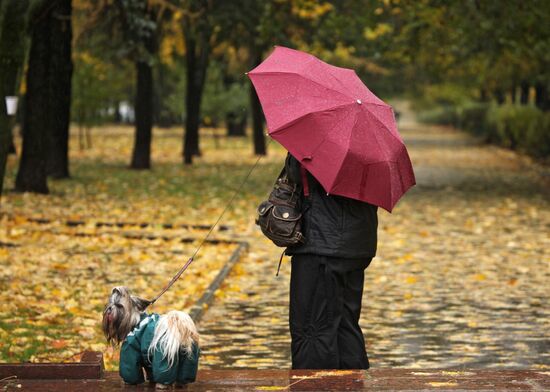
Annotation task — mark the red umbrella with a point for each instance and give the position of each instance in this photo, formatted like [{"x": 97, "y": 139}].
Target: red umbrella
[{"x": 343, "y": 134}]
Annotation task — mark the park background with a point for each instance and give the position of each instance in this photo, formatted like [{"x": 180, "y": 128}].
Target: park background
[{"x": 136, "y": 124}]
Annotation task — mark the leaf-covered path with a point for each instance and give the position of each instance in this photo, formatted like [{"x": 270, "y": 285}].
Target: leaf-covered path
[{"x": 460, "y": 279}]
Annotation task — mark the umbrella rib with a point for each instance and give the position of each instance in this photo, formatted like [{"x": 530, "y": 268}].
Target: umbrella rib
[
  {"x": 342, "y": 84},
  {"x": 400, "y": 177},
  {"x": 298, "y": 119},
  {"x": 306, "y": 64},
  {"x": 385, "y": 105},
  {"x": 381, "y": 149},
  {"x": 303, "y": 77},
  {"x": 377, "y": 140},
  {"x": 330, "y": 70},
  {"x": 349, "y": 142},
  {"x": 253, "y": 73},
  {"x": 353, "y": 98},
  {"x": 337, "y": 79},
  {"x": 328, "y": 88},
  {"x": 384, "y": 125},
  {"x": 403, "y": 189}
]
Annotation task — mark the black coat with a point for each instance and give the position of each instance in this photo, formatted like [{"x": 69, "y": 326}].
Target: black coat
[{"x": 334, "y": 226}]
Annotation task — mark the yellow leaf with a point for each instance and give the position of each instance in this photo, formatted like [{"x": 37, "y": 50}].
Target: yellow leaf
[
  {"x": 456, "y": 373},
  {"x": 60, "y": 267},
  {"x": 443, "y": 384},
  {"x": 480, "y": 277},
  {"x": 333, "y": 373}
]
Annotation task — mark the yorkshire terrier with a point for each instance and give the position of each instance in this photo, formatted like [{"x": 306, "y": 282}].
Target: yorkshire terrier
[{"x": 166, "y": 347}]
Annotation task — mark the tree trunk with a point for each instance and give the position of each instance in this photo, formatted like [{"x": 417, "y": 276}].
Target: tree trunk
[
  {"x": 61, "y": 69},
  {"x": 256, "y": 108},
  {"x": 141, "y": 157},
  {"x": 483, "y": 96},
  {"x": 12, "y": 54},
  {"x": 257, "y": 123},
  {"x": 31, "y": 176},
  {"x": 500, "y": 97},
  {"x": 11, "y": 148},
  {"x": 257, "y": 113},
  {"x": 197, "y": 65},
  {"x": 117, "y": 117},
  {"x": 542, "y": 98},
  {"x": 236, "y": 125},
  {"x": 192, "y": 121},
  {"x": 524, "y": 92}
]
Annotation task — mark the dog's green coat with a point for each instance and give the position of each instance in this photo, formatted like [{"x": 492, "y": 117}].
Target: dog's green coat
[{"x": 134, "y": 358}]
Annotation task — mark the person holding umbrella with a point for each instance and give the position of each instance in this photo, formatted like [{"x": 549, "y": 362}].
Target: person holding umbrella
[
  {"x": 345, "y": 151},
  {"x": 326, "y": 283}
]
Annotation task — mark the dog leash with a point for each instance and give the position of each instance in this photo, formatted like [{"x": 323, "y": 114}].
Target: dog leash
[{"x": 192, "y": 258}]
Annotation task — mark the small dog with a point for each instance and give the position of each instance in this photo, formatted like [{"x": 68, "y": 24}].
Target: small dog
[{"x": 166, "y": 347}]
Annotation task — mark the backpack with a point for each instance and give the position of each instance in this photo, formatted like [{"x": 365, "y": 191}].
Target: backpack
[{"x": 280, "y": 216}]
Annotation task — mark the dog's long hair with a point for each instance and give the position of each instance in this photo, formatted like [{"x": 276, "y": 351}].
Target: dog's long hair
[{"x": 174, "y": 331}]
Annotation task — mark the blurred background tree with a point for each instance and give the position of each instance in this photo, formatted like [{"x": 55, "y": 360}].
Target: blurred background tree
[
  {"x": 13, "y": 23},
  {"x": 47, "y": 98}
]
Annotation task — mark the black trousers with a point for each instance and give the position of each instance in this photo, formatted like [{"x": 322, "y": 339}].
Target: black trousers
[{"x": 325, "y": 305}]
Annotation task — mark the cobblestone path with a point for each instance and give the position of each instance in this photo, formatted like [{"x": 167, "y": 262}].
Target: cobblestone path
[{"x": 461, "y": 278}]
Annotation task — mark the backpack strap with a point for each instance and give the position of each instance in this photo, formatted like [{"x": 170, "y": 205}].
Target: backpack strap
[
  {"x": 305, "y": 183},
  {"x": 282, "y": 175}
]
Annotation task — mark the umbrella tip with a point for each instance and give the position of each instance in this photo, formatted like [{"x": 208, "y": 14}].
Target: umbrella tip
[{"x": 359, "y": 101}]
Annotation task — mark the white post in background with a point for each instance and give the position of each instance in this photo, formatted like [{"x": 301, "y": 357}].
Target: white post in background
[{"x": 11, "y": 105}]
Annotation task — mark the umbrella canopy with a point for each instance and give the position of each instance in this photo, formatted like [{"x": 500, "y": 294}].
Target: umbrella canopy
[{"x": 343, "y": 134}]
